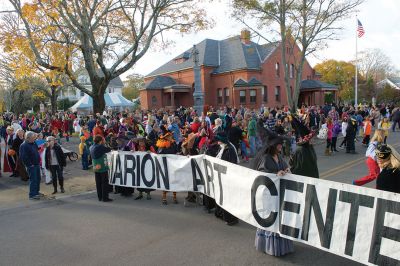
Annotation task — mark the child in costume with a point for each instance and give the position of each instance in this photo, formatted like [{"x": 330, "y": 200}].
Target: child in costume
[
  {"x": 385, "y": 125},
  {"x": 367, "y": 131},
  {"x": 167, "y": 145},
  {"x": 84, "y": 153}
]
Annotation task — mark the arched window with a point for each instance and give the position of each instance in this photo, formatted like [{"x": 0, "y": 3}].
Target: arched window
[{"x": 277, "y": 69}]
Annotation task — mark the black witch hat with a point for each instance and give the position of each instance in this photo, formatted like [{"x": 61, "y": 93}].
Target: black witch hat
[{"x": 303, "y": 133}]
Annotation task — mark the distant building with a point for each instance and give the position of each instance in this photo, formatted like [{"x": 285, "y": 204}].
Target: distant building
[
  {"x": 73, "y": 94},
  {"x": 393, "y": 82},
  {"x": 234, "y": 72}
]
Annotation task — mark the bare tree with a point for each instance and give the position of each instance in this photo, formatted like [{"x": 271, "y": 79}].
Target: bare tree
[
  {"x": 111, "y": 35},
  {"x": 374, "y": 63},
  {"x": 306, "y": 23}
]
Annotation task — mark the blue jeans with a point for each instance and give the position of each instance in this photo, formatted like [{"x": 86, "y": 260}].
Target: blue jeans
[
  {"x": 243, "y": 148},
  {"x": 34, "y": 180},
  {"x": 85, "y": 160},
  {"x": 252, "y": 142}
]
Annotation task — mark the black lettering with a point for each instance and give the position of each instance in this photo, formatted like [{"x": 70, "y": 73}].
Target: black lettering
[
  {"x": 164, "y": 174},
  {"x": 286, "y": 184},
  {"x": 111, "y": 170},
  {"x": 380, "y": 230},
  {"x": 149, "y": 184},
  {"x": 267, "y": 182},
  {"x": 129, "y": 170},
  {"x": 356, "y": 200},
  {"x": 312, "y": 204},
  {"x": 210, "y": 176},
  {"x": 195, "y": 170},
  {"x": 138, "y": 170},
  {"x": 118, "y": 173},
  {"x": 220, "y": 169}
]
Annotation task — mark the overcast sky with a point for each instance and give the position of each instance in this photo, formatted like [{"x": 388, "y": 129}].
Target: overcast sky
[{"x": 380, "y": 19}]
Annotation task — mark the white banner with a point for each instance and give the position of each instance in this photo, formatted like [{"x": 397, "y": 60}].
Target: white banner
[{"x": 358, "y": 223}]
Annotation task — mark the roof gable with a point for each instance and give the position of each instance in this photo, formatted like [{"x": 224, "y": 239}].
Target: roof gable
[
  {"x": 240, "y": 83},
  {"x": 316, "y": 84},
  {"x": 159, "y": 82},
  {"x": 254, "y": 82}
]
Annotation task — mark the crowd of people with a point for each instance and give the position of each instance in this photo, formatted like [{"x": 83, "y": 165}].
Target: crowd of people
[{"x": 278, "y": 141}]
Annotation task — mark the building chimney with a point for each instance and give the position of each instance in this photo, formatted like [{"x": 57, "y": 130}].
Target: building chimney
[{"x": 245, "y": 36}]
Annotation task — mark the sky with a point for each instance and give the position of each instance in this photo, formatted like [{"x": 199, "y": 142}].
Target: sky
[{"x": 380, "y": 19}]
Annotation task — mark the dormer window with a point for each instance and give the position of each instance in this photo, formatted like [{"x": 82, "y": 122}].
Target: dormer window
[{"x": 182, "y": 58}]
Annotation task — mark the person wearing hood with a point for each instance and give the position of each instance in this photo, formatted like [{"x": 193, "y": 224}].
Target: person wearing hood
[{"x": 304, "y": 159}]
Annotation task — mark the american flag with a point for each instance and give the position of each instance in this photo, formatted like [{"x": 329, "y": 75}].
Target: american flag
[{"x": 360, "y": 29}]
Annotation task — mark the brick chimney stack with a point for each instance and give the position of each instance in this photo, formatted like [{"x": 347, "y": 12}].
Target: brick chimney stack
[{"x": 245, "y": 36}]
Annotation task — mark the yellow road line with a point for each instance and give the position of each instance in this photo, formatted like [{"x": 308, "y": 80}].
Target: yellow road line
[{"x": 345, "y": 166}]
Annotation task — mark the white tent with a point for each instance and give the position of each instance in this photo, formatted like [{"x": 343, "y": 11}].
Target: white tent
[{"x": 113, "y": 100}]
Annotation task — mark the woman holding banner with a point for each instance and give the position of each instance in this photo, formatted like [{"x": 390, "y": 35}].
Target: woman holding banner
[
  {"x": 389, "y": 163},
  {"x": 269, "y": 160}
]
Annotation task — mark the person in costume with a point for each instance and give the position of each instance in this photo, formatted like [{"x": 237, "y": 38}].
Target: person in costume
[
  {"x": 304, "y": 159},
  {"x": 9, "y": 153},
  {"x": 270, "y": 160},
  {"x": 226, "y": 152},
  {"x": 167, "y": 145},
  {"x": 84, "y": 153},
  {"x": 371, "y": 160},
  {"x": 389, "y": 163},
  {"x": 351, "y": 133}
]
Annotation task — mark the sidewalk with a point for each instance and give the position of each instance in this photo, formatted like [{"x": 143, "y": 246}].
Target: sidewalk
[{"x": 14, "y": 192}]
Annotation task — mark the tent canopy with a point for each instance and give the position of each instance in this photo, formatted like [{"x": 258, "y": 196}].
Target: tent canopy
[{"x": 112, "y": 99}]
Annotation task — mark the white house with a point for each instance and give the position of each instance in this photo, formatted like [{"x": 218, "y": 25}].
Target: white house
[{"x": 73, "y": 94}]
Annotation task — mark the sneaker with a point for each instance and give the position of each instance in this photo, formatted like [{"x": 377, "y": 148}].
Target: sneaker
[
  {"x": 340, "y": 147},
  {"x": 236, "y": 221},
  {"x": 37, "y": 197}
]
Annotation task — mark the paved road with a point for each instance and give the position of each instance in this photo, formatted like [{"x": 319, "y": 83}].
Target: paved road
[{"x": 79, "y": 230}]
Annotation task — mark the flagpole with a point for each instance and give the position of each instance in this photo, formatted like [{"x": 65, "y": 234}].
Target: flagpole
[{"x": 356, "y": 77}]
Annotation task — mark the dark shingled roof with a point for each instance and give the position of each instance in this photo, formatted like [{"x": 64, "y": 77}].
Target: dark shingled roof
[
  {"x": 240, "y": 83},
  {"x": 316, "y": 84},
  {"x": 160, "y": 82},
  {"x": 225, "y": 55},
  {"x": 395, "y": 80},
  {"x": 254, "y": 82}
]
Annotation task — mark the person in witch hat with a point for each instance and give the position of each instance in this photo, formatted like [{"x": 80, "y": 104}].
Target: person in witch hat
[
  {"x": 270, "y": 160},
  {"x": 304, "y": 160}
]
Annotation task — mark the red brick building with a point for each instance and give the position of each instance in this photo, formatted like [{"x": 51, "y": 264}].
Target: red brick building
[{"x": 234, "y": 72}]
